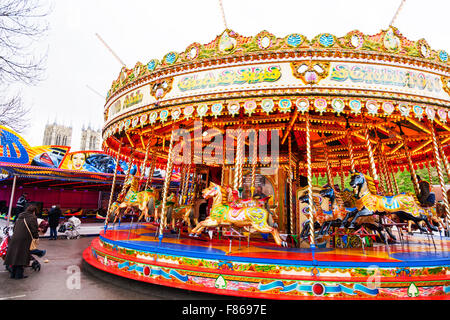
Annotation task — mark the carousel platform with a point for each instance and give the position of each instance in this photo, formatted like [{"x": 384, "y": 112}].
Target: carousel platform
[{"x": 416, "y": 268}]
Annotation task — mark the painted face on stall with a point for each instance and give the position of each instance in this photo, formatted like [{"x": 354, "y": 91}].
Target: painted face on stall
[{"x": 78, "y": 160}]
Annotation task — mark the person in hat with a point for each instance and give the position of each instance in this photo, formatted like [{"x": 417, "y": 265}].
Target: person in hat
[
  {"x": 425, "y": 197},
  {"x": 21, "y": 205},
  {"x": 18, "y": 255}
]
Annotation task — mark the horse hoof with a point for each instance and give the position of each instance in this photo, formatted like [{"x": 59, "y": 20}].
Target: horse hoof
[{"x": 284, "y": 244}]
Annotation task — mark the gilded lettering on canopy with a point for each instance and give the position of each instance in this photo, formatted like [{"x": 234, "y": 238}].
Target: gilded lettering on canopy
[
  {"x": 132, "y": 99},
  {"x": 246, "y": 75},
  {"x": 386, "y": 76}
]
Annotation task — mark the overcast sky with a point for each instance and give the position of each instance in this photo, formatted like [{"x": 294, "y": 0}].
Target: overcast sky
[{"x": 141, "y": 30}]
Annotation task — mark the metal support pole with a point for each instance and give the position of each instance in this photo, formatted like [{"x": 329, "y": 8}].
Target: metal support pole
[
  {"x": 169, "y": 168},
  {"x": 11, "y": 199},
  {"x": 310, "y": 192},
  {"x": 350, "y": 150},
  {"x": 113, "y": 186},
  {"x": 411, "y": 169},
  {"x": 437, "y": 159}
]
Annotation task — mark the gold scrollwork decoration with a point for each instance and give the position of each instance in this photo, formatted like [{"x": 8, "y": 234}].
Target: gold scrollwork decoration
[
  {"x": 161, "y": 87},
  {"x": 310, "y": 72}
]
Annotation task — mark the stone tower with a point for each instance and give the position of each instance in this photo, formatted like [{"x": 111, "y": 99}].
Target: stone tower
[
  {"x": 56, "y": 134},
  {"x": 90, "y": 139}
]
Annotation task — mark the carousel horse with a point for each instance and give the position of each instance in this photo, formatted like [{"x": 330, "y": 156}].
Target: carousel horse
[
  {"x": 337, "y": 207},
  {"x": 176, "y": 212},
  {"x": 345, "y": 214},
  {"x": 437, "y": 214},
  {"x": 144, "y": 201},
  {"x": 223, "y": 214},
  {"x": 404, "y": 206},
  {"x": 236, "y": 202},
  {"x": 348, "y": 198},
  {"x": 321, "y": 213}
]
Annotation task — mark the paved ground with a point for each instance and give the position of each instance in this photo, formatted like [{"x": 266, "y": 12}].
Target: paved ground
[{"x": 67, "y": 277}]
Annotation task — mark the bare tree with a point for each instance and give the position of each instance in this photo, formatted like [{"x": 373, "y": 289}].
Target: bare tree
[
  {"x": 22, "y": 25},
  {"x": 13, "y": 114}
]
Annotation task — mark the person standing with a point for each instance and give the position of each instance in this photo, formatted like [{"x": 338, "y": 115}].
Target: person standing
[
  {"x": 425, "y": 196},
  {"x": 18, "y": 254},
  {"x": 21, "y": 205},
  {"x": 53, "y": 221}
]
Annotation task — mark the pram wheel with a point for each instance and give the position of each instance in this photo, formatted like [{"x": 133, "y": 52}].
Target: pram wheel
[{"x": 36, "y": 266}]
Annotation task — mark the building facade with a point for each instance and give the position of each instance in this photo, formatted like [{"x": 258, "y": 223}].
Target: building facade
[
  {"x": 55, "y": 134},
  {"x": 90, "y": 139}
]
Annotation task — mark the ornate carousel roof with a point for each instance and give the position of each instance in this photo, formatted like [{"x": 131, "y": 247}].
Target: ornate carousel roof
[{"x": 396, "y": 86}]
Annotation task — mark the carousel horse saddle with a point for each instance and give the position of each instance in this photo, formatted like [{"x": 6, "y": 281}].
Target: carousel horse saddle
[
  {"x": 330, "y": 213},
  {"x": 247, "y": 203},
  {"x": 390, "y": 202}
]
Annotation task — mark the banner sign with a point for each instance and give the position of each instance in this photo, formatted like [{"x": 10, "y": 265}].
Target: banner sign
[
  {"x": 15, "y": 150},
  {"x": 92, "y": 161}
]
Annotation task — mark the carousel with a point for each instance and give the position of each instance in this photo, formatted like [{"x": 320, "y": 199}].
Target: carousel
[{"x": 251, "y": 124}]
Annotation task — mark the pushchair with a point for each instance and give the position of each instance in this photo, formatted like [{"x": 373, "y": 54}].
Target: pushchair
[
  {"x": 70, "y": 228},
  {"x": 34, "y": 263}
]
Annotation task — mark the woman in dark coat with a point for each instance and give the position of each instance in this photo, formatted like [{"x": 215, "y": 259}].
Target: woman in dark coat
[
  {"x": 18, "y": 255},
  {"x": 53, "y": 221}
]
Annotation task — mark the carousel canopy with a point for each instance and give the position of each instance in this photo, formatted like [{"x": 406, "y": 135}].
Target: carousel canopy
[{"x": 396, "y": 88}]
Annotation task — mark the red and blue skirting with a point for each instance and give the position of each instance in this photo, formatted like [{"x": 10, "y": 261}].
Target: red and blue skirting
[{"x": 260, "y": 269}]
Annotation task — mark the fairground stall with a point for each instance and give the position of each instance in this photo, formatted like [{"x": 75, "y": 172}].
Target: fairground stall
[
  {"x": 251, "y": 123},
  {"x": 80, "y": 182}
]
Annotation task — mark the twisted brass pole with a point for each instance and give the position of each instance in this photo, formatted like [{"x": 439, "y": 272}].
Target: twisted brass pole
[
  {"x": 310, "y": 192},
  {"x": 113, "y": 184},
  {"x": 437, "y": 158}
]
